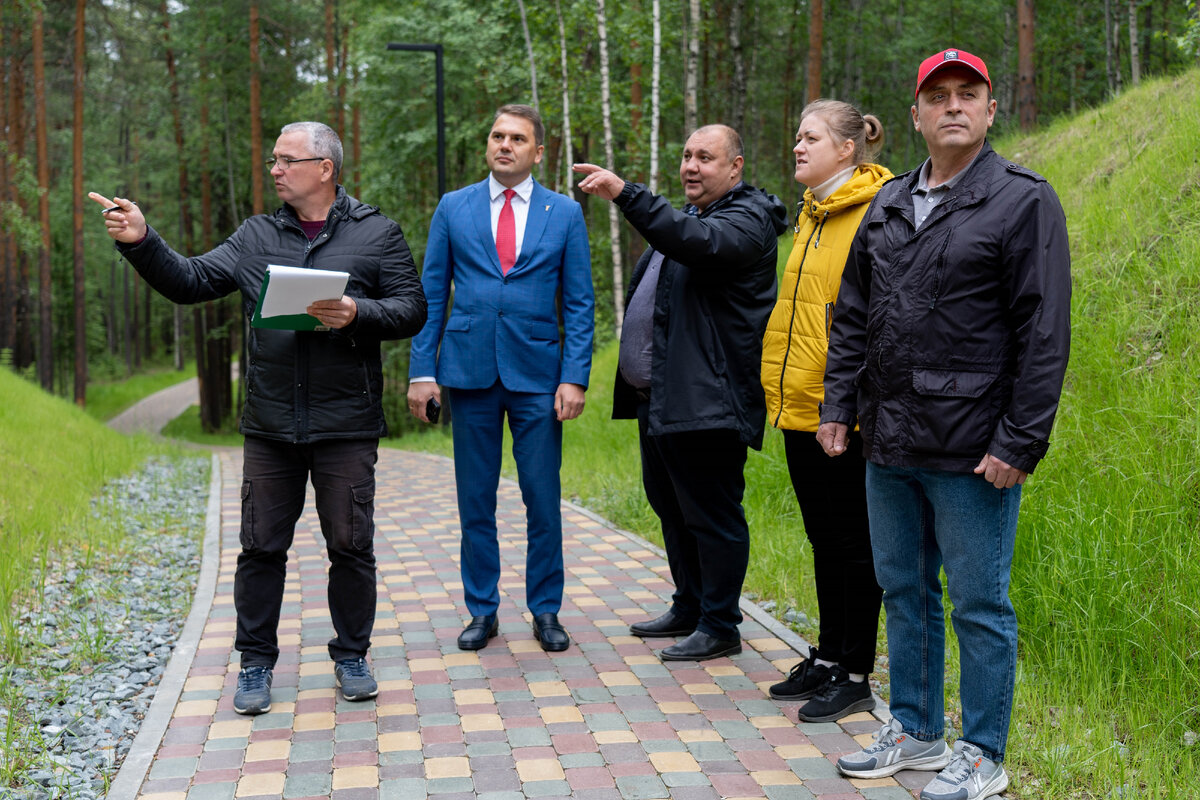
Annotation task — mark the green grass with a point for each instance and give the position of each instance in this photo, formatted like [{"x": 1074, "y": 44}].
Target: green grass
[
  {"x": 55, "y": 458},
  {"x": 186, "y": 427},
  {"x": 106, "y": 399}
]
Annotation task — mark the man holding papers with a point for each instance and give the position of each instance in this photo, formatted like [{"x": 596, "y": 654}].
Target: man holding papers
[
  {"x": 517, "y": 256},
  {"x": 312, "y": 391}
]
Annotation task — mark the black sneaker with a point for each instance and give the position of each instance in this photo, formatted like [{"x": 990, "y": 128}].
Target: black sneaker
[
  {"x": 838, "y": 697},
  {"x": 803, "y": 681},
  {"x": 254, "y": 691},
  {"x": 354, "y": 677}
]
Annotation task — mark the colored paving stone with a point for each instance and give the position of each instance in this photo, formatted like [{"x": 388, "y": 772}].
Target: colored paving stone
[{"x": 604, "y": 720}]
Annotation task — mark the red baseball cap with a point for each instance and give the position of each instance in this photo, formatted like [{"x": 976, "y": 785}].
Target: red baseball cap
[{"x": 951, "y": 58}]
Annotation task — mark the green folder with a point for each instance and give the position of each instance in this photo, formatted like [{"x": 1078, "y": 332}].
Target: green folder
[{"x": 283, "y": 322}]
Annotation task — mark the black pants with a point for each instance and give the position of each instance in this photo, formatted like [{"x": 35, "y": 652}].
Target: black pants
[
  {"x": 275, "y": 478},
  {"x": 833, "y": 502},
  {"x": 694, "y": 482}
]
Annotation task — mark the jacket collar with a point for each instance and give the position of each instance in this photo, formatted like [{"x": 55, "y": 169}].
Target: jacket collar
[
  {"x": 343, "y": 206},
  {"x": 972, "y": 189}
]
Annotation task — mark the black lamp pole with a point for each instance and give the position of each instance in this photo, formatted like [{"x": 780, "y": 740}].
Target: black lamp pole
[{"x": 436, "y": 49}]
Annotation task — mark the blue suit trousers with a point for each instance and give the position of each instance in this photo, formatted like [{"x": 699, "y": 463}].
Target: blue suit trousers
[{"x": 537, "y": 449}]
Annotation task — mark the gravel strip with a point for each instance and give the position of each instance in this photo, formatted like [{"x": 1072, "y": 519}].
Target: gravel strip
[{"x": 100, "y": 637}]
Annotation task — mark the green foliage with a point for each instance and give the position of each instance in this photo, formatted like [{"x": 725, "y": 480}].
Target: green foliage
[{"x": 55, "y": 459}]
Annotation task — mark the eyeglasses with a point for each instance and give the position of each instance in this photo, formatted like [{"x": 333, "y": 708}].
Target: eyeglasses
[{"x": 285, "y": 163}]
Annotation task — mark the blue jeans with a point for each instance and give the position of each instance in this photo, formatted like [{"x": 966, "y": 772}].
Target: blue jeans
[{"x": 921, "y": 521}]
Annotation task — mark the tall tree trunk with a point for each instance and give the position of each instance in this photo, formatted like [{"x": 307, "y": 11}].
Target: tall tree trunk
[
  {"x": 356, "y": 128},
  {"x": 1135, "y": 59},
  {"x": 737, "y": 105},
  {"x": 45, "y": 361},
  {"x": 256, "y": 156},
  {"x": 533, "y": 86},
  {"x": 1027, "y": 94},
  {"x": 77, "y": 216},
  {"x": 1110, "y": 47},
  {"x": 655, "y": 94},
  {"x": 343, "y": 59},
  {"x": 8, "y": 271},
  {"x": 614, "y": 222},
  {"x": 566, "y": 100},
  {"x": 816, "y": 44},
  {"x": 185, "y": 218},
  {"x": 691, "y": 69},
  {"x": 330, "y": 61}
]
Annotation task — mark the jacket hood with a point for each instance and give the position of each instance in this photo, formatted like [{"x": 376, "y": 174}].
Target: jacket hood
[
  {"x": 774, "y": 208},
  {"x": 863, "y": 185}
]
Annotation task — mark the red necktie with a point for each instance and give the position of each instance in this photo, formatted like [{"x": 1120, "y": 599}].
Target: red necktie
[{"x": 506, "y": 234}]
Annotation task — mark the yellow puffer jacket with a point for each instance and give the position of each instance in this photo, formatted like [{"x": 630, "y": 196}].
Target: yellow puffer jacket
[{"x": 797, "y": 335}]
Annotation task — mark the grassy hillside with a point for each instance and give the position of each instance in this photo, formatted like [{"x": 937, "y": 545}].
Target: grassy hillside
[
  {"x": 54, "y": 459},
  {"x": 1107, "y": 574}
]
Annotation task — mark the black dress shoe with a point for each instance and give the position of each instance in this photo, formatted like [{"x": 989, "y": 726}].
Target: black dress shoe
[
  {"x": 669, "y": 624},
  {"x": 701, "y": 647},
  {"x": 550, "y": 633},
  {"x": 475, "y": 636}
]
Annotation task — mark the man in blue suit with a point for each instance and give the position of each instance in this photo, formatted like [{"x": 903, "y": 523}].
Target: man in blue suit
[{"x": 517, "y": 341}]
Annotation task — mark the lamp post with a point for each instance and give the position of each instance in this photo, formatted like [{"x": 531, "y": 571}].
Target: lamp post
[{"x": 436, "y": 49}]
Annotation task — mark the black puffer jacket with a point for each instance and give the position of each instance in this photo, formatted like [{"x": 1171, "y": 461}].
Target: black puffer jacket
[
  {"x": 305, "y": 386},
  {"x": 951, "y": 342},
  {"x": 715, "y": 291}
]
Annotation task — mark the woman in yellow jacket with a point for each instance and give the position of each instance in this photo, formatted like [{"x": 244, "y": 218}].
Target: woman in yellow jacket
[{"x": 833, "y": 144}]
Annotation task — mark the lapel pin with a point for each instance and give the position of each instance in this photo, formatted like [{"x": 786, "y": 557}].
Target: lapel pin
[{"x": 547, "y": 207}]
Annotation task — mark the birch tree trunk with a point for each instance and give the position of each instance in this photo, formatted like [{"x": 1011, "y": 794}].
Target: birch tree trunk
[
  {"x": 1027, "y": 93},
  {"x": 45, "y": 357},
  {"x": 655, "y": 94},
  {"x": 80, "y": 283},
  {"x": 1135, "y": 56},
  {"x": 533, "y": 87},
  {"x": 691, "y": 68},
  {"x": 614, "y": 222},
  {"x": 568, "y": 155}
]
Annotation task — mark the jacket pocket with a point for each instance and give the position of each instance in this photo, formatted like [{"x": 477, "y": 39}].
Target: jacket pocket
[
  {"x": 458, "y": 322},
  {"x": 954, "y": 412},
  {"x": 543, "y": 331}
]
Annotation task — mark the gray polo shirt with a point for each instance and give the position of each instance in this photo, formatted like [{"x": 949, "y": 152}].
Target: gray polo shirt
[{"x": 926, "y": 199}]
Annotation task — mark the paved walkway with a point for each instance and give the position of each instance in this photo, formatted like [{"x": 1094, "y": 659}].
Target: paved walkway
[{"x": 604, "y": 719}]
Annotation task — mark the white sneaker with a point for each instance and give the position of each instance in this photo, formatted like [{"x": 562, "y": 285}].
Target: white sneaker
[
  {"x": 893, "y": 751},
  {"x": 970, "y": 776}
]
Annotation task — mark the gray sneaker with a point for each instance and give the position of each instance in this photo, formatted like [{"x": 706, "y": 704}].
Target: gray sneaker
[
  {"x": 893, "y": 751},
  {"x": 970, "y": 776},
  {"x": 354, "y": 677},
  {"x": 253, "y": 694}
]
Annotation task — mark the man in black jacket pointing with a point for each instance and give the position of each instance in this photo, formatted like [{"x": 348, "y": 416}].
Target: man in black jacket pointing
[
  {"x": 691, "y": 347},
  {"x": 313, "y": 404}
]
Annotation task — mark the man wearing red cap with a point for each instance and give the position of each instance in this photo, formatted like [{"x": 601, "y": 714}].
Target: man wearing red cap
[{"x": 948, "y": 349}]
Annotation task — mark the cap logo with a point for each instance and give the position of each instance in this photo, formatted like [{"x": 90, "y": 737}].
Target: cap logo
[{"x": 951, "y": 55}]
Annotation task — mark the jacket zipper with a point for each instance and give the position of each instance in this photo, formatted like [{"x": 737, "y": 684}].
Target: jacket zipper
[{"x": 787, "y": 350}]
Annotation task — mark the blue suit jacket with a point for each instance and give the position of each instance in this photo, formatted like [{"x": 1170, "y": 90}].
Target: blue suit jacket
[{"x": 506, "y": 326}]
